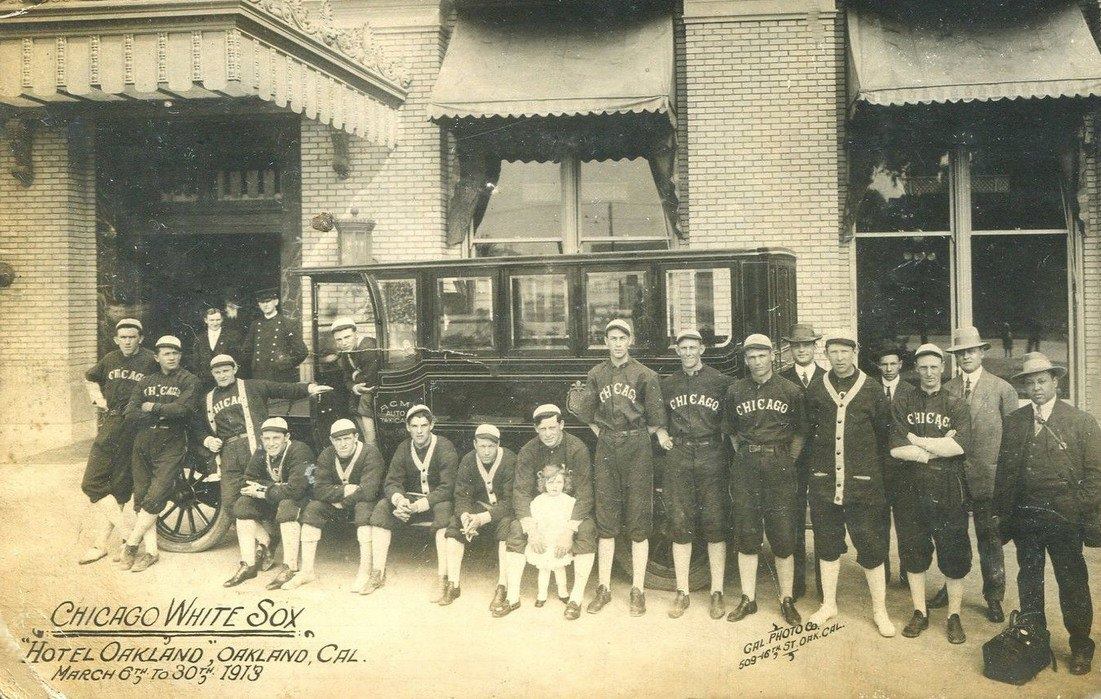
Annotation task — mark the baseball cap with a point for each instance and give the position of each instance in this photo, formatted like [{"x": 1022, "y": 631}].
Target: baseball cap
[
  {"x": 342, "y": 427},
  {"x": 487, "y": 431},
  {"x": 222, "y": 360},
  {"x": 275, "y": 424},
  {"x": 618, "y": 324},
  {"x": 757, "y": 341},
  {"x": 689, "y": 334},
  {"x": 342, "y": 324},
  {"x": 169, "y": 341},
  {"x": 419, "y": 409},
  {"x": 129, "y": 323},
  {"x": 929, "y": 348}
]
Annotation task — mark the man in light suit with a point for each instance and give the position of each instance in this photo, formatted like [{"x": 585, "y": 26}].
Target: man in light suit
[{"x": 990, "y": 399}]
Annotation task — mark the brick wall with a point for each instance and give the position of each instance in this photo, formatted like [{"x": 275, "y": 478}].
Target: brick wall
[
  {"x": 48, "y": 316},
  {"x": 1091, "y": 281},
  {"x": 765, "y": 114}
]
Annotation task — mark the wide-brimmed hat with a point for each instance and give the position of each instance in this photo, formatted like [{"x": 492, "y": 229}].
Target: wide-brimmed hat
[
  {"x": 801, "y": 332},
  {"x": 1036, "y": 362},
  {"x": 967, "y": 337}
]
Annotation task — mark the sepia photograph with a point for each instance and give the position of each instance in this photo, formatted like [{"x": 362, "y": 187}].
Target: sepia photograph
[{"x": 510, "y": 348}]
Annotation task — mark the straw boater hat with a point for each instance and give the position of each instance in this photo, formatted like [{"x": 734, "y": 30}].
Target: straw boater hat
[
  {"x": 1036, "y": 362},
  {"x": 801, "y": 333},
  {"x": 965, "y": 338}
]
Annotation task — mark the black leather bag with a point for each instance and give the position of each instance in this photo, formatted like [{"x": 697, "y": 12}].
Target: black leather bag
[{"x": 1018, "y": 653}]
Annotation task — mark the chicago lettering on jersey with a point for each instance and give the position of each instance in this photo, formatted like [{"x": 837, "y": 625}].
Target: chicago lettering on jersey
[
  {"x": 154, "y": 391},
  {"x": 699, "y": 399},
  {"x": 619, "y": 389},
  {"x": 225, "y": 403},
  {"x": 125, "y": 375},
  {"x": 749, "y": 406},
  {"x": 943, "y": 422}
]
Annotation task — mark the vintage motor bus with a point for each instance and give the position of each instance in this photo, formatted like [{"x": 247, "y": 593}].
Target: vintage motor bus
[{"x": 489, "y": 339}]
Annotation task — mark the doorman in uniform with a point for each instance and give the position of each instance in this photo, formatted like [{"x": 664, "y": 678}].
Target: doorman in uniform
[
  {"x": 895, "y": 389},
  {"x": 358, "y": 358},
  {"x": 161, "y": 407},
  {"x": 110, "y": 384},
  {"x": 234, "y": 410},
  {"x": 930, "y": 438},
  {"x": 765, "y": 420},
  {"x": 623, "y": 407},
  {"x": 805, "y": 371},
  {"x": 991, "y": 399},
  {"x": 274, "y": 344},
  {"x": 419, "y": 487},
  {"x": 1047, "y": 497},
  {"x": 851, "y": 419},
  {"x": 482, "y": 506},
  {"x": 349, "y": 478},
  {"x": 276, "y": 488},
  {"x": 695, "y": 468}
]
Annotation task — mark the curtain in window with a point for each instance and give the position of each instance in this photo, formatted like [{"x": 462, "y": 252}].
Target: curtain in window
[{"x": 478, "y": 172}]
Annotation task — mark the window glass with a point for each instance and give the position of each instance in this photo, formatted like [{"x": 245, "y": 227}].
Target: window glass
[
  {"x": 517, "y": 247},
  {"x": 342, "y": 300},
  {"x": 1015, "y": 189},
  {"x": 399, "y": 298},
  {"x": 526, "y": 205},
  {"x": 466, "y": 313},
  {"x": 1019, "y": 286},
  {"x": 902, "y": 295},
  {"x": 540, "y": 316},
  {"x": 611, "y": 295},
  {"x": 907, "y": 193},
  {"x": 618, "y": 199},
  {"x": 700, "y": 299}
]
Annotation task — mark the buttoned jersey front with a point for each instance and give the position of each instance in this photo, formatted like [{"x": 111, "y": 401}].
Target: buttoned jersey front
[
  {"x": 769, "y": 413},
  {"x": 621, "y": 398},
  {"x": 694, "y": 401}
]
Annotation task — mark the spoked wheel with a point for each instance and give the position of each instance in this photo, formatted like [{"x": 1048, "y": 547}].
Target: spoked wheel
[{"x": 194, "y": 519}]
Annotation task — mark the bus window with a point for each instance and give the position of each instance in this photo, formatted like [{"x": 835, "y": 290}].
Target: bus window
[
  {"x": 700, "y": 299},
  {"x": 342, "y": 300},
  {"x": 611, "y": 295},
  {"x": 466, "y": 313},
  {"x": 540, "y": 316},
  {"x": 399, "y": 299}
]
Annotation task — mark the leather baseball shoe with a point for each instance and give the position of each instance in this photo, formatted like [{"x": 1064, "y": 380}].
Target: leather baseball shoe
[
  {"x": 505, "y": 609},
  {"x": 439, "y": 590},
  {"x": 377, "y": 580},
  {"x": 573, "y": 611},
  {"x": 680, "y": 604},
  {"x": 244, "y": 572},
  {"x": 450, "y": 594},
  {"x": 282, "y": 577},
  {"x": 1080, "y": 660},
  {"x": 638, "y": 602},
  {"x": 265, "y": 557},
  {"x": 955, "y": 630},
  {"x": 745, "y": 607},
  {"x": 940, "y": 600},
  {"x": 602, "y": 598},
  {"x": 918, "y": 623},
  {"x": 994, "y": 612},
  {"x": 91, "y": 555},
  {"x": 299, "y": 580},
  {"x": 129, "y": 555},
  {"x": 499, "y": 596},
  {"x": 718, "y": 606},
  {"x": 789, "y": 612},
  {"x": 143, "y": 562}
]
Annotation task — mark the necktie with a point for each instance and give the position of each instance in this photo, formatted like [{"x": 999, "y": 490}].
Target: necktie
[
  {"x": 887, "y": 392},
  {"x": 1039, "y": 424},
  {"x": 967, "y": 388},
  {"x": 806, "y": 379}
]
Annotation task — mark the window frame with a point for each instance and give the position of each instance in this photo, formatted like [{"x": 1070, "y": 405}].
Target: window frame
[
  {"x": 434, "y": 307},
  {"x": 568, "y": 276},
  {"x": 735, "y": 285}
]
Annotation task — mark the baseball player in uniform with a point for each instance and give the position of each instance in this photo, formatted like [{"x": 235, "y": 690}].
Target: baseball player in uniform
[
  {"x": 695, "y": 468},
  {"x": 764, "y": 417},
  {"x": 276, "y": 488},
  {"x": 419, "y": 486},
  {"x": 552, "y": 446},
  {"x": 623, "y": 407},
  {"x": 234, "y": 410},
  {"x": 894, "y": 389},
  {"x": 930, "y": 435},
  {"x": 482, "y": 506},
  {"x": 803, "y": 341},
  {"x": 274, "y": 345},
  {"x": 358, "y": 359},
  {"x": 161, "y": 407},
  {"x": 349, "y": 476},
  {"x": 110, "y": 384},
  {"x": 851, "y": 420}
]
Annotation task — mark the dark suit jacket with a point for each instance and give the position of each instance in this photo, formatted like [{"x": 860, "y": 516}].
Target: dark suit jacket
[
  {"x": 992, "y": 400},
  {"x": 201, "y": 354}
]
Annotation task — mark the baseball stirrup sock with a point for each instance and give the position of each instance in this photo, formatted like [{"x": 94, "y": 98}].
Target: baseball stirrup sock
[
  {"x": 292, "y": 533},
  {"x": 246, "y": 540}
]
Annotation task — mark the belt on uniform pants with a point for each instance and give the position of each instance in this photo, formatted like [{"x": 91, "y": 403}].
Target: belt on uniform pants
[
  {"x": 234, "y": 438},
  {"x": 163, "y": 427},
  {"x": 621, "y": 433},
  {"x": 766, "y": 448},
  {"x": 703, "y": 442}
]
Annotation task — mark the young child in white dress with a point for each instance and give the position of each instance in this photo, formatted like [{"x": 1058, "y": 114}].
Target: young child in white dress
[{"x": 551, "y": 510}]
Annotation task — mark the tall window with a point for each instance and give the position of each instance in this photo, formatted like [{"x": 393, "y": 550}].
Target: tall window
[{"x": 572, "y": 206}]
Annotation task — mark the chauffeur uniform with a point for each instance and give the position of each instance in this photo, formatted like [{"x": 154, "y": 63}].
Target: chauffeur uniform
[{"x": 276, "y": 349}]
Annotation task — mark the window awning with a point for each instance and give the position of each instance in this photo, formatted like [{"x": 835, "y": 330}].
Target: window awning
[
  {"x": 956, "y": 55},
  {"x": 524, "y": 66},
  {"x": 77, "y": 51}
]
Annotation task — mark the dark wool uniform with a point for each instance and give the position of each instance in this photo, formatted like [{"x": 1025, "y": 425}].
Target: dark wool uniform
[
  {"x": 287, "y": 479},
  {"x": 572, "y": 456},
  {"x": 764, "y": 418},
  {"x": 108, "y": 470},
  {"x": 201, "y": 354},
  {"x": 897, "y": 475},
  {"x": 225, "y": 407},
  {"x": 484, "y": 488},
  {"x": 160, "y": 446},
  {"x": 623, "y": 402},
  {"x": 802, "y": 469},
  {"x": 929, "y": 503},
  {"x": 846, "y": 479},
  {"x": 360, "y": 366},
  {"x": 695, "y": 468},
  {"x": 276, "y": 349},
  {"x": 1047, "y": 489},
  {"x": 436, "y": 482},
  {"x": 363, "y": 468}
]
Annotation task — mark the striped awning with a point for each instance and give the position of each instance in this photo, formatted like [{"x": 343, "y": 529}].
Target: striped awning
[
  {"x": 88, "y": 51},
  {"x": 943, "y": 54}
]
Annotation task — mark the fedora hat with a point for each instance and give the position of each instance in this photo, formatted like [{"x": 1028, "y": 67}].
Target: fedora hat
[
  {"x": 801, "y": 332},
  {"x": 967, "y": 337},
  {"x": 1036, "y": 362}
]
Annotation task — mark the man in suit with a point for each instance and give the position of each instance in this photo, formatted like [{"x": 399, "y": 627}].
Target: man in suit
[
  {"x": 803, "y": 342},
  {"x": 895, "y": 474},
  {"x": 208, "y": 345},
  {"x": 990, "y": 399},
  {"x": 1047, "y": 496}
]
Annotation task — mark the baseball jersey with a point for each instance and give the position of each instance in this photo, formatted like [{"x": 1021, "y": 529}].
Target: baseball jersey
[
  {"x": 625, "y": 397},
  {"x": 361, "y": 364},
  {"x": 438, "y": 479},
  {"x": 285, "y": 474},
  {"x": 363, "y": 468},
  {"x": 276, "y": 349},
  {"x": 118, "y": 375},
  {"x": 931, "y": 415},
  {"x": 572, "y": 455},
  {"x": 767, "y": 413},
  {"x": 694, "y": 402},
  {"x": 490, "y": 484},
  {"x": 229, "y": 415},
  {"x": 173, "y": 396}
]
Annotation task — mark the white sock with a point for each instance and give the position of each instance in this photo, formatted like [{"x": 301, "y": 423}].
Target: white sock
[
  {"x": 246, "y": 540},
  {"x": 292, "y": 534},
  {"x": 560, "y": 581},
  {"x": 640, "y": 557},
  {"x": 502, "y": 563},
  {"x": 516, "y": 564},
  {"x": 544, "y": 584},
  {"x": 785, "y": 573},
  {"x": 747, "y": 574},
  {"x": 150, "y": 539},
  {"x": 955, "y": 595},
  {"x": 582, "y": 568},
  {"x": 310, "y": 536},
  {"x": 441, "y": 553},
  {"x": 605, "y": 553},
  {"x": 380, "y": 547},
  {"x": 682, "y": 562},
  {"x": 716, "y": 559},
  {"x": 454, "y": 554},
  {"x": 363, "y": 535},
  {"x": 917, "y": 591}
]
